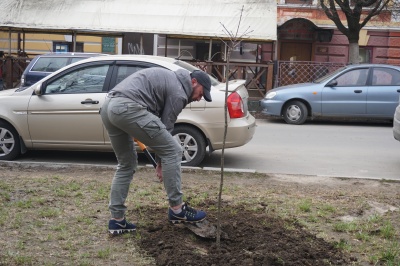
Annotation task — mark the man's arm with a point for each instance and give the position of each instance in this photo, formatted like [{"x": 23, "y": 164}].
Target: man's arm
[{"x": 171, "y": 111}]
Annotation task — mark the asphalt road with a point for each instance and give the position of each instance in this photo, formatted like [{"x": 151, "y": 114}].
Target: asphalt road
[{"x": 324, "y": 148}]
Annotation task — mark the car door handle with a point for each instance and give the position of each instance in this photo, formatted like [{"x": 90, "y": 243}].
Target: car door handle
[
  {"x": 398, "y": 90},
  {"x": 357, "y": 91},
  {"x": 89, "y": 101}
]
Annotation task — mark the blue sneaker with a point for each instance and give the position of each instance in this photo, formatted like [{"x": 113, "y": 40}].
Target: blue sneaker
[
  {"x": 188, "y": 215},
  {"x": 120, "y": 227}
]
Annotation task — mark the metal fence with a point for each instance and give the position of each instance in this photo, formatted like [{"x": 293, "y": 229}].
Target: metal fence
[
  {"x": 292, "y": 72},
  {"x": 11, "y": 69},
  {"x": 263, "y": 77},
  {"x": 259, "y": 77}
]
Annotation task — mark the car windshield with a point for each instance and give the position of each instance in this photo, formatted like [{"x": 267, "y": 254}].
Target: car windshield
[
  {"x": 49, "y": 64},
  {"x": 328, "y": 76},
  {"x": 192, "y": 68}
]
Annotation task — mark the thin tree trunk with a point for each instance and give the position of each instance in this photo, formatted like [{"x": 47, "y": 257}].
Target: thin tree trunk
[{"x": 221, "y": 185}]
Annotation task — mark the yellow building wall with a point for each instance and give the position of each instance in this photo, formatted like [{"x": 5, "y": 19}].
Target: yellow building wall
[
  {"x": 43, "y": 43},
  {"x": 5, "y": 44}
]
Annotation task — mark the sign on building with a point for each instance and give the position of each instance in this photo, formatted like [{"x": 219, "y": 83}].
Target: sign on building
[{"x": 108, "y": 45}]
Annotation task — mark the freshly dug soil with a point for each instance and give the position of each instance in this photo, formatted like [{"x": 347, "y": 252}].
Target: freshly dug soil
[{"x": 247, "y": 239}]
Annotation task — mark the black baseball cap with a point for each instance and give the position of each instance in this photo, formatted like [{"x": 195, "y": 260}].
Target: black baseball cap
[{"x": 203, "y": 78}]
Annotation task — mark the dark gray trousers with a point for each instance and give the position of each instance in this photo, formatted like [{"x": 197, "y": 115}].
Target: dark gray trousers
[{"x": 124, "y": 119}]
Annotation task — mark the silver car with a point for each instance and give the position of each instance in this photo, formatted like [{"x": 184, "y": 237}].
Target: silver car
[
  {"x": 355, "y": 91},
  {"x": 396, "y": 123},
  {"x": 61, "y": 111}
]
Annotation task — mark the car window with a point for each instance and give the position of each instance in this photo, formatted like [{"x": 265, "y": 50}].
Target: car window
[
  {"x": 385, "y": 77},
  {"x": 329, "y": 75},
  {"x": 126, "y": 70},
  {"x": 355, "y": 77},
  {"x": 76, "y": 59},
  {"x": 82, "y": 80},
  {"x": 50, "y": 64}
]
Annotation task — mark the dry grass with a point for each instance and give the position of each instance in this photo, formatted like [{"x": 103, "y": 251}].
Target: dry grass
[{"x": 58, "y": 215}]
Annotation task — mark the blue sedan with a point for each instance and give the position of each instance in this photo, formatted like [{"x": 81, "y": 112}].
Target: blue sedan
[{"x": 354, "y": 91}]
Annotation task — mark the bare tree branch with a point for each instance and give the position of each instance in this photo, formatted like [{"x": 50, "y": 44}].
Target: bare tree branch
[{"x": 358, "y": 13}]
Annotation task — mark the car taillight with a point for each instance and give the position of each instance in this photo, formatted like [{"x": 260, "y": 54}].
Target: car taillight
[{"x": 235, "y": 105}]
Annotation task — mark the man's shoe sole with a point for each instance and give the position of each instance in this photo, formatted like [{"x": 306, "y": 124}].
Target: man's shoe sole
[{"x": 121, "y": 231}]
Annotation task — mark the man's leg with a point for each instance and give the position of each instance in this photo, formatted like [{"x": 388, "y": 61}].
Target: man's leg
[
  {"x": 170, "y": 152},
  {"x": 127, "y": 160},
  {"x": 148, "y": 129}
]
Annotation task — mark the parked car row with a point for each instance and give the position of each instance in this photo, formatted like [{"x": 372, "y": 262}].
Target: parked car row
[
  {"x": 57, "y": 105},
  {"x": 61, "y": 111}
]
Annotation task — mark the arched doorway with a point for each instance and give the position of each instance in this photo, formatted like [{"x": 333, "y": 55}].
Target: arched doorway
[{"x": 295, "y": 39}]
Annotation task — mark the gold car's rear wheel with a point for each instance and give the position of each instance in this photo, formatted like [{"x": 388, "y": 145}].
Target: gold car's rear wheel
[{"x": 193, "y": 144}]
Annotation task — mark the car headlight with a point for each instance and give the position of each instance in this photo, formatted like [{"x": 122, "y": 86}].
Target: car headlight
[{"x": 270, "y": 95}]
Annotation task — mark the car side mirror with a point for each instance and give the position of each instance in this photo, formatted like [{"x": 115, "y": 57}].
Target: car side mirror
[
  {"x": 332, "y": 83},
  {"x": 38, "y": 89}
]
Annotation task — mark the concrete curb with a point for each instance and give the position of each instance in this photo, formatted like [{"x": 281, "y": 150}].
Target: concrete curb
[
  {"x": 111, "y": 167},
  {"x": 184, "y": 168}
]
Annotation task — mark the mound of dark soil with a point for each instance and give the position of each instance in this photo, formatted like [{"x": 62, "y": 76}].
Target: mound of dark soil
[{"x": 248, "y": 239}]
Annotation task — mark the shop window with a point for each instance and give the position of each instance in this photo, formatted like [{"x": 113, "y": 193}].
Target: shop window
[{"x": 64, "y": 47}]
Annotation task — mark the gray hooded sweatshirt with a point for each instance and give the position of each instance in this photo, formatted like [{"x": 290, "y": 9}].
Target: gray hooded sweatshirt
[{"x": 164, "y": 92}]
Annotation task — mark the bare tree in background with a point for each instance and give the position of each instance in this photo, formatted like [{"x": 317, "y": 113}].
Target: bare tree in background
[
  {"x": 234, "y": 39},
  {"x": 358, "y": 13}
]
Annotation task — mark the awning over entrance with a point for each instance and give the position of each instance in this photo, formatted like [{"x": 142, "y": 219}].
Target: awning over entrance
[{"x": 187, "y": 18}]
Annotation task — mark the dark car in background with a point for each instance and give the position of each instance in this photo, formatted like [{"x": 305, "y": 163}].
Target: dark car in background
[{"x": 45, "y": 64}]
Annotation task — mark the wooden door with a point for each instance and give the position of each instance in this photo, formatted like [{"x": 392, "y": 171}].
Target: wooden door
[{"x": 294, "y": 51}]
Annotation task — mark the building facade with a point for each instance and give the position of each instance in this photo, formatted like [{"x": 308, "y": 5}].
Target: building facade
[{"x": 306, "y": 34}]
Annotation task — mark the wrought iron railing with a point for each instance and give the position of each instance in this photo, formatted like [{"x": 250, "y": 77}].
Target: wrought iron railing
[
  {"x": 259, "y": 77},
  {"x": 292, "y": 72},
  {"x": 11, "y": 69}
]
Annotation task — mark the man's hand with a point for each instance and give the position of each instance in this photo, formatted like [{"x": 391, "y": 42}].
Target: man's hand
[{"x": 159, "y": 172}]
